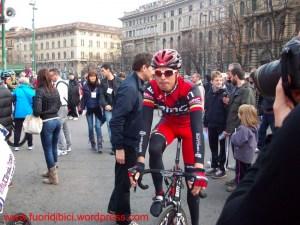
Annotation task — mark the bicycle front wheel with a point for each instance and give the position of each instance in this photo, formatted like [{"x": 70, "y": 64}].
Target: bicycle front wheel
[
  {"x": 10, "y": 138},
  {"x": 169, "y": 216}
]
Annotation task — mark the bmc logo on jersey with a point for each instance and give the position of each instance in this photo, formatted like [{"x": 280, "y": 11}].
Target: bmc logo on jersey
[{"x": 183, "y": 108}]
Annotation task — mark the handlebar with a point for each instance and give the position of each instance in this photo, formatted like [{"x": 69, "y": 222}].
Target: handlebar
[{"x": 167, "y": 173}]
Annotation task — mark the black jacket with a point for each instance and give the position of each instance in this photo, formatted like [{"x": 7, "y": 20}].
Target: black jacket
[
  {"x": 127, "y": 113},
  {"x": 215, "y": 110},
  {"x": 46, "y": 104},
  {"x": 5, "y": 107},
  {"x": 73, "y": 93},
  {"x": 269, "y": 192},
  {"x": 107, "y": 98}
]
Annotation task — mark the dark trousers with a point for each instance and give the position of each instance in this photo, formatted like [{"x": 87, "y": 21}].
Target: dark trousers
[
  {"x": 240, "y": 170},
  {"x": 72, "y": 110},
  {"x": 218, "y": 157},
  {"x": 267, "y": 120},
  {"x": 120, "y": 197},
  {"x": 18, "y": 131}
]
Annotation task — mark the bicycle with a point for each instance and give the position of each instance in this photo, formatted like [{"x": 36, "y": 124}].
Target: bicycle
[
  {"x": 10, "y": 137},
  {"x": 172, "y": 212}
]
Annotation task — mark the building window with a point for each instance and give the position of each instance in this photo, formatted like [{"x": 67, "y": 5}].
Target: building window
[
  {"x": 42, "y": 46},
  {"x": 210, "y": 17},
  {"x": 172, "y": 25},
  {"x": 47, "y": 45},
  {"x": 242, "y": 8},
  {"x": 210, "y": 37},
  {"x": 90, "y": 43},
  {"x": 297, "y": 22},
  {"x": 165, "y": 15},
  {"x": 164, "y": 42},
  {"x": 172, "y": 12},
  {"x": 190, "y": 8},
  {"x": 65, "y": 55},
  {"x": 48, "y": 56},
  {"x": 171, "y": 42},
  {"x": 201, "y": 38},
  {"x": 220, "y": 36},
  {"x": 179, "y": 24},
  {"x": 201, "y": 4},
  {"x": 190, "y": 21},
  {"x": 82, "y": 55},
  {"x": 267, "y": 28},
  {"x": 209, "y": 56},
  {"x": 65, "y": 43},
  {"x": 254, "y": 5},
  {"x": 58, "y": 55},
  {"x": 179, "y": 11},
  {"x": 53, "y": 45},
  {"x": 90, "y": 55},
  {"x": 53, "y": 55},
  {"x": 72, "y": 55},
  {"x": 72, "y": 42},
  {"x": 42, "y": 56},
  {"x": 82, "y": 42},
  {"x": 210, "y": 2},
  {"x": 230, "y": 10},
  {"x": 164, "y": 27},
  {"x": 178, "y": 42},
  {"x": 58, "y": 44}
]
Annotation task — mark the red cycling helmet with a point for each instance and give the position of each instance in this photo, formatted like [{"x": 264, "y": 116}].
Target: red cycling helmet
[{"x": 167, "y": 58}]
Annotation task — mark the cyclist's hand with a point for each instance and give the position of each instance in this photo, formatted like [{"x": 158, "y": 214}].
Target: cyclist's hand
[
  {"x": 134, "y": 173},
  {"x": 200, "y": 183}
]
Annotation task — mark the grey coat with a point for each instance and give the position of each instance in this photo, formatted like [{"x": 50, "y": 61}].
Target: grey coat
[
  {"x": 244, "y": 141},
  {"x": 241, "y": 95}
]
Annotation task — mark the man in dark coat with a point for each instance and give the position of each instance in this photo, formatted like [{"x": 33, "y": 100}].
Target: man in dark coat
[{"x": 6, "y": 107}]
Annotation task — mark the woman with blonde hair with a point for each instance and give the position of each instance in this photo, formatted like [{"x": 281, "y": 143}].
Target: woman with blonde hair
[{"x": 244, "y": 141}]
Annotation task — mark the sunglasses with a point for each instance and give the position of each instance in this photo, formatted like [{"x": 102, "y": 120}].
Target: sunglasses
[{"x": 167, "y": 73}]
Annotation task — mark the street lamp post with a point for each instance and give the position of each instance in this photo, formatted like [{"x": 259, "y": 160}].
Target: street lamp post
[
  {"x": 3, "y": 34},
  {"x": 32, "y": 3},
  {"x": 204, "y": 49}
]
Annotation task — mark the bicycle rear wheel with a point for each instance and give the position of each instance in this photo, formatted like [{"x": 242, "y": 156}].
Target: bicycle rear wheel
[
  {"x": 169, "y": 217},
  {"x": 10, "y": 138}
]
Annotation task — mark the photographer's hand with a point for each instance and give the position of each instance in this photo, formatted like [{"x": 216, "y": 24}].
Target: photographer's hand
[{"x": 282, "y": 105}]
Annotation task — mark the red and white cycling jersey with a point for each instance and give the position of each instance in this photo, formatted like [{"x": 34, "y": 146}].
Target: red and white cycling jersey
[{"x": 182, "y": 117}]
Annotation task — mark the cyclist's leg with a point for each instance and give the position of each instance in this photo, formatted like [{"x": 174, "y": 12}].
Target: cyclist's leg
[
  {"x": 160, "y": 138},
  {"x": 189, "y": 160}
]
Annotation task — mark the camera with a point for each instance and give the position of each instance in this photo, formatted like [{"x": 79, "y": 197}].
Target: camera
[{"x": 267, "y": 76}]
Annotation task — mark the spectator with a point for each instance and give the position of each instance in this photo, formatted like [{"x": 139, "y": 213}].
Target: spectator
[
  {"x": 196, "y": 79},
  {"x": 244, "y": 141},
  {"x": 74, "y": 97},
  {"x": 215, "y": 121},
  {"x": 242, "y": 94},
  {"x": 23, "y": 99},
  {"x": 46, "y": 105},
  {"x": 267, "y": 120},
  {"x": 125, "y": 125},
  {"x": 6, "y": 107},
  {"x": 64, "y": 141},
  {"x": 122, "y": 75},
  {"x": 269, "y": 193},
  {"x": 109, "y": 86},
  {"x": 12, "y": 82},
  {"x": 91, "y": 102}
]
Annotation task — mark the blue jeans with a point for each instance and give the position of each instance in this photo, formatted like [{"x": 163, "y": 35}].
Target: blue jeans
[
  {"x": 267, "y": 120},
  {"x": 90, "y": 120},
  {"x": 108, "y": 115},
  {"x": 49, "y": 139}
]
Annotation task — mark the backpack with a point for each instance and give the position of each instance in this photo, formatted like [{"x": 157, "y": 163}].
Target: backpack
[{"x": 64, "y": 82}]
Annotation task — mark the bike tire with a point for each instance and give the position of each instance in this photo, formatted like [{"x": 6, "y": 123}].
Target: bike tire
[
  {"x": 168, "y": 216},
  {"x": 10, "y": 139}
]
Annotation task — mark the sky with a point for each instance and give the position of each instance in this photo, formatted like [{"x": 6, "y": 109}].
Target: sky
[{"x": 55, "y": 12}]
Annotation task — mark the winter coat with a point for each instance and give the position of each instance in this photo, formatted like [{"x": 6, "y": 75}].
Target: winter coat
[
  {"x": 23, "y": 98},
  {"x": 244, "y": 141},
  {"x": 5, "y": 107}
]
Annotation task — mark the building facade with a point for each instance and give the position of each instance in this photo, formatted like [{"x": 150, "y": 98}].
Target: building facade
[
  {"x": 70, "y": 47},
  {"x": 210, "y": 34}
]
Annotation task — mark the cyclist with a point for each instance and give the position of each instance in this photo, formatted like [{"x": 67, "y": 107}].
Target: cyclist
[{"x": 182, "y": 109}]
